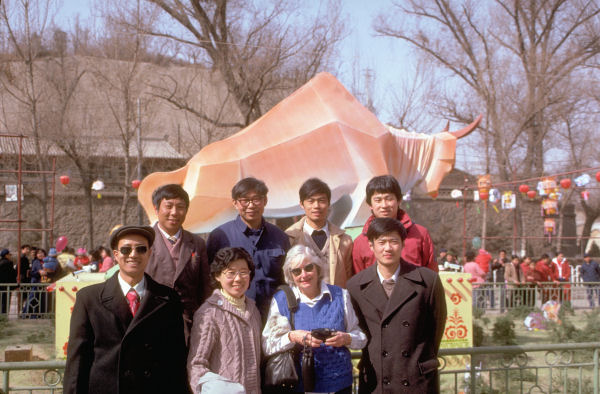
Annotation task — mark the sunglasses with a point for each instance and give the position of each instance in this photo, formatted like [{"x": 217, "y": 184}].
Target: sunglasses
[
  {"x": 126, "y": 250},
  {"x": 307, "y": 268}
]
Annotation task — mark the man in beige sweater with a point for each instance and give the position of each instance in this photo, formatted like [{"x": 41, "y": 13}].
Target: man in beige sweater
[{"x": 330, "y": 243}]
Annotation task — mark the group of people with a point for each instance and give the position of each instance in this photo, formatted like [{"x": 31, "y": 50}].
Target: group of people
[
  {"x": 35, "y": 265},
  {"x": 184, "y": 315},
  {"x": 522, "y": 276}
]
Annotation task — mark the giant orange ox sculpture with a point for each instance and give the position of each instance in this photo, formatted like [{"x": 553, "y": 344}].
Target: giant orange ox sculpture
[{"x": 321, "y": 131}]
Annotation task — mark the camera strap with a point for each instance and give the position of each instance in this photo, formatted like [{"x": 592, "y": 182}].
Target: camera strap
[{"x": 292, "y": 302}]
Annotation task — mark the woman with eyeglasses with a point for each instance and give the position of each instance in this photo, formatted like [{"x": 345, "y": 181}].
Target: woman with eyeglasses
[
  {"x": 325, "y": 320},
  {"x": 224, "y": 354}
]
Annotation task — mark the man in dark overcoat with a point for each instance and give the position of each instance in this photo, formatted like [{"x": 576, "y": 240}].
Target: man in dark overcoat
[
  {"x": 402, "y": 309},
  {"x": 178, "y": 257},
  {"x": 126, "y": 334}
]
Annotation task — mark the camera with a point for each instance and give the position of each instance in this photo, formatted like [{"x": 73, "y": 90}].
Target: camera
[{"x": 322, "y": 333}]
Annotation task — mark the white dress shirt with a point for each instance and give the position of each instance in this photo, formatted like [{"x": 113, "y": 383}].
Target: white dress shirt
[{"x": 140, "y": 287}]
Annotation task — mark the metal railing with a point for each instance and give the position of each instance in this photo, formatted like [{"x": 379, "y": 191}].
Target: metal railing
[
  {"x": 28, "y": 301},
  {"x": 502, "y": 296},
  {"x": 552, "y": 368}
]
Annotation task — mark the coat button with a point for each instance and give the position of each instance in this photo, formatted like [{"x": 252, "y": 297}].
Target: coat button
[
  {"x": 405, "y": 353},
  {"x": 405, "y": 382},
  {"x": 405, "y": 323},
  {"x": 384, "y": 353},
  {"x": 386, "y": 381},
  {"x": 385, "y": 325}
]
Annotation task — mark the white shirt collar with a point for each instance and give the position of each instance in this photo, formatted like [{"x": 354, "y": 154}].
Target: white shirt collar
[
  {"x": 140, "y": 287},
  {"x": 167, "y": 236},
  {"x": 310, "y": 302},
  {"x": 394, "y": 276},
  {"x": 307, "y": 228}
]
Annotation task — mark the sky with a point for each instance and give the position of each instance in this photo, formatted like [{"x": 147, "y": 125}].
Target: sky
[{"x": 383, "y": 56}]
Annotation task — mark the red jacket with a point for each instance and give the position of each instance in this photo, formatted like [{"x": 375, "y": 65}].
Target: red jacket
[
  {"x": 418, "y": 247},
  {"x": 483, "y": 259},
  {"x": 563, "y": 267},
  {"x": 546, "y": 272}
]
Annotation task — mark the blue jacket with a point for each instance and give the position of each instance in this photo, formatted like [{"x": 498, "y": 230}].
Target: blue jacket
[{"x": 267, "y": 248}]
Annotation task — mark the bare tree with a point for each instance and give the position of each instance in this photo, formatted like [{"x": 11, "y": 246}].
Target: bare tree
[
  {"x": 260, "y": 51},
  {"x": 24, "y": 25}
]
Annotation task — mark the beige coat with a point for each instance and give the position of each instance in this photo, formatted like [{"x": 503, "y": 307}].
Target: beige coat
[
  {"x": 340, "y": 250},
  {"x": 226, "y": 341}
]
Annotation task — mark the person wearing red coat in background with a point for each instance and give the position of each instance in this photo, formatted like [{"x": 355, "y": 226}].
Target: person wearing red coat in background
[
  {"x": 384, "y": 196},
  {"x": 546, "y": 273},
  {"x": 562, "y": 270},
  {"x": 483, "y": 258}
]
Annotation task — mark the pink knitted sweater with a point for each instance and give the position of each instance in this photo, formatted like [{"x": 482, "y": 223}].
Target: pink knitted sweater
[{"x": 226, "y": 341}]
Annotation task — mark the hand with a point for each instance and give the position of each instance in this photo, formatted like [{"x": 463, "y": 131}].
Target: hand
[
  {"x": 298, "y": 336},
  {"x": 339, "y": 339}
]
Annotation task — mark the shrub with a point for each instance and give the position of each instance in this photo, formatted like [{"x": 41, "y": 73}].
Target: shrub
[{"x": 504, "y": 331}]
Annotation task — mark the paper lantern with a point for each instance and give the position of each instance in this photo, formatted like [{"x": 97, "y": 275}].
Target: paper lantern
[
  {"x": 531, "y": 194},
  {"x": 585, "y": 195},
  {"x": 434, "y": 194},
  {"x": 524, "y": 189},
  {"x": 565, "y": 183},
  {"x": 484, "y": 196},
  {"x": 598, "y": 176},
  {"x": 549, "y": 226},
  {"x": 550, "y": 206},
  {"x": 135, "y": 183},
  {"x": 484, "y": 182},
  {"x": 64, "y": 179}
]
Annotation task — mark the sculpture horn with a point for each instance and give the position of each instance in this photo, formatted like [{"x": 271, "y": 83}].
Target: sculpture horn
[
  {"x": 466, "y": 130},
  {"x": 447, "y": 128}
]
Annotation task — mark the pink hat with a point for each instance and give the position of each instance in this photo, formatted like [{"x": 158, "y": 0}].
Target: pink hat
[{"x": 81, "y": 251}]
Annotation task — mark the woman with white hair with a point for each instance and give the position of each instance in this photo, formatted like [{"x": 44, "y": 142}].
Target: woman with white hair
[{"x": 325, "y": 320}]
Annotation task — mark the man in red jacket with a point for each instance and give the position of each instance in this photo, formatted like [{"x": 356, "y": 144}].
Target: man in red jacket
[{"x": 384, "y": 196}]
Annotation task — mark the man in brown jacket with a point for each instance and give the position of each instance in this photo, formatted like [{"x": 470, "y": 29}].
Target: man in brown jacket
[
  {"x": 329, "y": 242},
  {"x": 178, "y": 257},
  {"x": 402, "y": 309}
]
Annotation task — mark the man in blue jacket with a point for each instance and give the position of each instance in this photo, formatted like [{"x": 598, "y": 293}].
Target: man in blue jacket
[
  {"x": 265, "y": 242},
  {"x": 590, "y": 272}
]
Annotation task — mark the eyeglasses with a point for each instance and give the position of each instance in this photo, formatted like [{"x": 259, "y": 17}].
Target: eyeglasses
[
  {"x": 257, "y": 200},
  {"x": 126, "y": 250},
  {"x": 233, "y": 274},
  {"x": 307, "y": 268}
]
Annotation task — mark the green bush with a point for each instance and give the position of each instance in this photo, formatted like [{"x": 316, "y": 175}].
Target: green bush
[
  {"x": 478, "y": 335},
  {"x": 504, "y": 331}
]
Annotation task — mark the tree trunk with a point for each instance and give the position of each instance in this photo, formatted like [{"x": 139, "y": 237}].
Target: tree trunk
[{"x": 484, "y": 225}]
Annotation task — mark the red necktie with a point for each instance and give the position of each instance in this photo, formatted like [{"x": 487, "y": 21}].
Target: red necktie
[{"x": 134, "y": 300}]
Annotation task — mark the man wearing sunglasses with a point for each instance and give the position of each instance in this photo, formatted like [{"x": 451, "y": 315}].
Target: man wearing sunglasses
[
  {"x": 402, "y": 309},
  {"x": 264, "y": 241},
  {"x": 328, "y": 241},
  {"x": 126, "y": 334},
  {"x": 178, "y": 257}
]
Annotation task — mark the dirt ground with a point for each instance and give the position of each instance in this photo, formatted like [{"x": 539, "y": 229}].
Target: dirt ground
[{"x": 39, "y": 333}]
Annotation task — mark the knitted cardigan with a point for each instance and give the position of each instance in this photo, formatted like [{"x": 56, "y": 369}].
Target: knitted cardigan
[{"x": 226, "y": 341}]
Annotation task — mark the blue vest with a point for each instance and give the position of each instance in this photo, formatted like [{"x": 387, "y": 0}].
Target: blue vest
[{"x": 333, "y": 365}]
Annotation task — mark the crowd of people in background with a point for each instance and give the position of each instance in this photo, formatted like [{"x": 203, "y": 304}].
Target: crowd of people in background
[
  {"x": 37, "y": 266},
  {"x": 516, "y": 278}
]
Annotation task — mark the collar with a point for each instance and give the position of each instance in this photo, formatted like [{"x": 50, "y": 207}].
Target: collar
[
  {"x": 307, "y": 228},
  {"x": 242, "y": 227},
  {"x": 394, "y": 275},
  {"x": 310, "y": 302},
  {"x": 140, "y": 287},
  {"x": 167, "y": 236}
]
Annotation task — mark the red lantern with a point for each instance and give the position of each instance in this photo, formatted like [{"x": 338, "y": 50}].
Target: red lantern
[
  {"x": 531, "y": 194},
  {"x": 434, "y": 194},
  {"x": 565, "y": 183},
  {"x": 135, "y": 183},
  {"x": 483, "y": 196},
  {"x": 598, "y": 176},
  {"x": 64, "y": 179},
  {"x": 523, "y": 189}
]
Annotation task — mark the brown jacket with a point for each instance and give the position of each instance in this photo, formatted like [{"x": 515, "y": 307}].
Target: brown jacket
[
  {"x": 404, "y": 331},
  {"x": 226, "y": 341},
  {"x": 340, "y": 250},
  {"x": 510, "y": 274},
  {"x": 191, "y": 279}
]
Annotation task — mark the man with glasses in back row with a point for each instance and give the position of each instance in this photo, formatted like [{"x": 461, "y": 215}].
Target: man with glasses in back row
[{"x": 264, "y": 241}]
